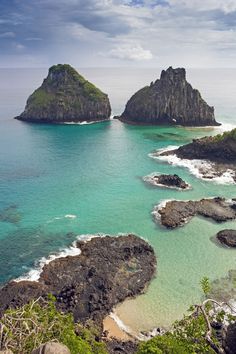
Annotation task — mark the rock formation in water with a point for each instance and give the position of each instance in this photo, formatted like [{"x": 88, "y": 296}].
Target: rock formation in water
[
  {"x": 171, "y": 100},
  {"x": 176, "y": 213},
  {"x": 218, "y": 151},
  {"x": 227, "y": 237},
  {"x": 169, "y": 181},
  {"x": 220, "y": 148},
  {"x": 65, "y": 96},
  {"x": 108, "y": 270}
]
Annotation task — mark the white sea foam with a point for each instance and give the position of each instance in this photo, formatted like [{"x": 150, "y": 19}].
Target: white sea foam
[
  {"x": 121, "y": 324},
  {"x": 140, "y": 336},
  {"x": 73, "y": 250},
  {"x": 70, "y": 216},
  {"x": 85, "y": 122},
  {"x": 67, "y": 216},
  {"x": 200, "y": 168},
  {"x": 158, "y": 207},
  {"x": 224, "y": 127},
  {"x": 79, "y": 123}
]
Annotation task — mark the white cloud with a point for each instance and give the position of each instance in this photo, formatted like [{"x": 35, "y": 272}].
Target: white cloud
[
  {"x": 33, "y": 39},
  {"x": 19, "y": 46},
  {"x": 183, "y": 32},
  {"x": 226, "y": 6},
  {"x": 7, "y": 35},
  {"x": 133, "y": 52}
]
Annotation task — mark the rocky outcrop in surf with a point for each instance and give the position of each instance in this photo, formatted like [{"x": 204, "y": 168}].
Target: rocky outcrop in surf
[
  {"x": 176, "y": 213},
  {"x": 168, "y": 181},
  {"x": 65, "y": 96},
  {"x": 210, "y": 158},
  {"x": 219, "y": 149},
  {"x": 171, "y": 100},
  {"x": 227, "y": 237},
  {"x": 108, "y": 270}
]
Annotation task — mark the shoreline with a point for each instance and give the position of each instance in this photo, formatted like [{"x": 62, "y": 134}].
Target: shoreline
[
  {"x": 202, "y": 169},
  {"x": 114, "y": 328}
]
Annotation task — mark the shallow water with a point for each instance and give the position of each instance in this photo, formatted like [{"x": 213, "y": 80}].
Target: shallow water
[{"x": 57, "y": 182}]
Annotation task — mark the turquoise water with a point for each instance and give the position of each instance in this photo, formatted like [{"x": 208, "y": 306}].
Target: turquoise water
[{"x": 94, "y": 172}]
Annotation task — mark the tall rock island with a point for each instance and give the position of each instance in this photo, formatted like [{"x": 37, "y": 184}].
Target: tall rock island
[
  {"x": 65, "y": 96},
  {"x": 171, "y": 100}
]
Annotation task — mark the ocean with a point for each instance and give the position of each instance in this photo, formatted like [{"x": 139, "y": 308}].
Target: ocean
[{"x": 59, "y": 182}]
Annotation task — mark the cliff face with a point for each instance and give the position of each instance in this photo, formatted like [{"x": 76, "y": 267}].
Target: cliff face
[
  {"x": 169, "y": 101},
  {"x": 65, "y": 96}
]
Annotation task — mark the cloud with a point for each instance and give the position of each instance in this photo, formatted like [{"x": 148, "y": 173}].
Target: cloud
[
  {"x": 19, "y": 46},
  {"x": 33, "y": 39},
  {"x": 131, "y": 52},
  {"x": 7, "y": 35},
  {"x": 226, "y": 6},
  {"x": 132, "y": 32}
]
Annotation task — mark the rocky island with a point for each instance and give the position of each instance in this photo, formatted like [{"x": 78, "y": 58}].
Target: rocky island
[
  {"x": 65, "y": 96},
  {"x": 168, "y": 181},
  {"x": 108, "y": 270},
  {"x": 171, "y": 100},
  {"x": 213, "y": 157},
  {"x": 177, "y": 213},
  {"x": 227, "y": 237}
]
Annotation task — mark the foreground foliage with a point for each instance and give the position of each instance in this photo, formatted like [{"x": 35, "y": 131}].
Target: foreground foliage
[
  {"x": 196, "y": 332},
  {"x": 27, "y": 327}
]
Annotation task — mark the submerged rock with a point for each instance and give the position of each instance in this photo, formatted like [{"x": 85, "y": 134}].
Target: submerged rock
[
  {"x": 176, "y": 213},
  {"x": 227, "y": 237},
  {"x": 223, "y": 289},
  {"x": 108, "y": 270},
  {"x": 169, "y": 181},
  {"x": 171, "y": 100},
  {"x": 65, "y": 96},
  {"x": 10, "y": 214}
]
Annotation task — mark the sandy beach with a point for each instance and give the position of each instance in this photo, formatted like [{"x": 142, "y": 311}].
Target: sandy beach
[{"x": 113, "y": 330}]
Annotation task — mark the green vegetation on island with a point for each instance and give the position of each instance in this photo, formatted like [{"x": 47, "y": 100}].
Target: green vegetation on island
[{"x": 66, "y": 96}]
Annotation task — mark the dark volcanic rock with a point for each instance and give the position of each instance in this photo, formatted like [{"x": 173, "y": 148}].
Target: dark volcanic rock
[
  {"x": 169, "y": 101},
  {"x": 121, "y": 347},
  {"x": 170, "y": 181},
  {"x": 220, "y": 148},
  {"x": 229, "y": 343},
  {"x": 65, "y": 96},
  {"x": 108, "y": 270},
  {"x": 227, "y": 237},
  {"x": 175, "y": 213},
  {"x": 219, "y": 152}
]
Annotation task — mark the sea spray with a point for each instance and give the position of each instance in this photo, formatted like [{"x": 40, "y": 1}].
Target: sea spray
[
  {"x": 73, "y": 250},
  {"x": 200, "y": 168}
]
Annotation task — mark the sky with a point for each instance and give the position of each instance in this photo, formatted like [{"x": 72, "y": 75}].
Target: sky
[{"x": 116, "y": 33}]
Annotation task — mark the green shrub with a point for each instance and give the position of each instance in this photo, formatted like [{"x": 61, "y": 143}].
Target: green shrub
[{"x": 26, "y": 328}]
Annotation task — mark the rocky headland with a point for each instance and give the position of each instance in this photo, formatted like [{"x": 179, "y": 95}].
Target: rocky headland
[
  {"x": 65, "y": 96},
  {"x": 108, "y": 270},
  {"x": 176, "y": 213},
  {"x": 168, "y": 181},
  {"x": 213, "y": 157},
  {"x": 170, "y": 100},
  {"x": 227, "y": 237}
]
